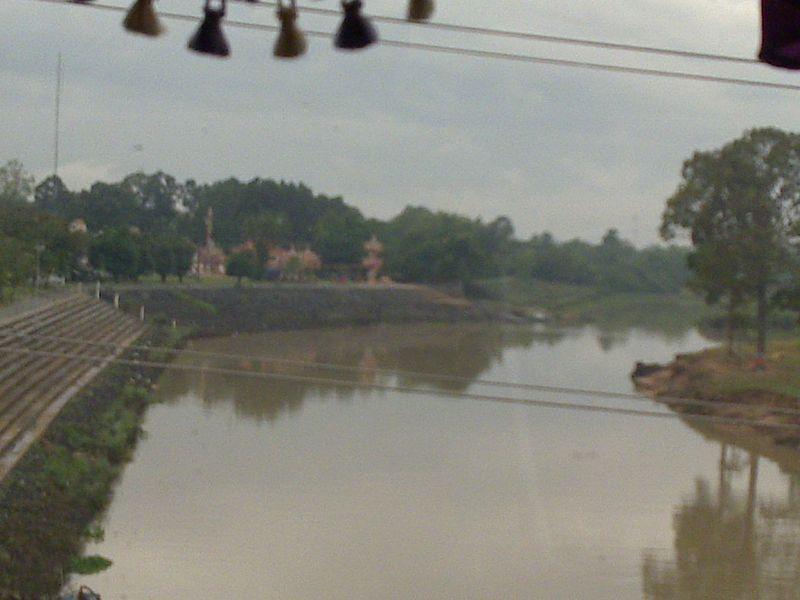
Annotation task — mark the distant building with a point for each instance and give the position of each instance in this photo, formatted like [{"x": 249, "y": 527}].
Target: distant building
[
  {"x": 209, "y": 259},
  {"x": 248, "y": 246},
  {"x": 291, "y": 264},
  {"x": 373, "y": 262}
]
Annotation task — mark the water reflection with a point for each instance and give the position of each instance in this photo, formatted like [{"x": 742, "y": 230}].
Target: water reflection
[
  {"x": 387, "y": 495},
  {"x": 465, "y": 353},
  {"x": 731, "y": 543}
]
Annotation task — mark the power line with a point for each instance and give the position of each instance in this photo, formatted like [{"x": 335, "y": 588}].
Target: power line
[
  {"x": 551, "y": 389},
  {"x": 523, "y": 35},
  {"x": 460, "y": 51},
  {"x": 532, "y": 402}
]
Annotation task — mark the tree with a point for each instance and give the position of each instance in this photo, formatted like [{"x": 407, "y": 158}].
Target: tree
[
  {"x": 107, "y": 205},
  {"x": 52, "y": 196},
  {"x": 436, "y": 247},
  {"x": 242, "y": 264},
  {"x": 16, "y": 184},
  {"x": 62, "y": 249},
  {"x": 183, "y": 251},
  {"x": 163, "y": 257},
  {"x": 17, "y": 264},
  {"x": 339, "y": 237},
  {"x": 157, "y": 198},
  {"x": 739, "y": 205},
  {"x": 118, "y": 252}
]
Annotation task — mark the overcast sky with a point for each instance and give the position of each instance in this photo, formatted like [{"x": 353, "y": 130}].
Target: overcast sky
[{"x": 570, "y": 151}]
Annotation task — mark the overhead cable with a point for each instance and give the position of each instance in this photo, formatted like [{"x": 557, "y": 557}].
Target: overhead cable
[
  {"x": 475, "y": 53},
  {"x": 325, "y": 381},
  {"x": 442, "y": 377},
  {"x": 524, "y": 35}
]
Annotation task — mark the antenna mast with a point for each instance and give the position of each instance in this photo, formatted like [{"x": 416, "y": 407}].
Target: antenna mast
[{"x": 58, "y": 115}]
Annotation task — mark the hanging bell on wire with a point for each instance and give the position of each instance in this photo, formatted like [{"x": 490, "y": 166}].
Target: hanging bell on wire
[
  {"x": 780, "y": 33},
  {"x": 142, "y": 18},
  {"x": 420, "y": 10},
  {"x": 209, "y": 37},
  {"x": 356, "y": 31},
  {"x": 291, "y": 42}
]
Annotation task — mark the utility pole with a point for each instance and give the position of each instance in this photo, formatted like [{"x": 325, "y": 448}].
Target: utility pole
[
  {"x": 58, "y": 115},
  {"x": 39, "y": 249}
]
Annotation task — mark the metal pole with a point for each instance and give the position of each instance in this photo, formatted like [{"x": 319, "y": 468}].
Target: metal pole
[{"x": 58, "y": 115}]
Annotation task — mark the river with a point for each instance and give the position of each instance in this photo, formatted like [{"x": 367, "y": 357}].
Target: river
[{"x": 301, "y": 489}]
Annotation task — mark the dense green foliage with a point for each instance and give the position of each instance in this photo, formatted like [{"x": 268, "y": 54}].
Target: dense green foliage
[
  {"x": 28, "y": 236},
  {"x": 612, "y": 265},
  {"x": 170, "y": 255},
  {"x": 436, "y": 247}
]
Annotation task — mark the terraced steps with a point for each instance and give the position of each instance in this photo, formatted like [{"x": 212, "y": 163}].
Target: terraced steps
[{"x": 43, "y": 363}]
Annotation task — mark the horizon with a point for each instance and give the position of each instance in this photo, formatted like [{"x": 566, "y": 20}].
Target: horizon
[{"x": 559, "y": 240}]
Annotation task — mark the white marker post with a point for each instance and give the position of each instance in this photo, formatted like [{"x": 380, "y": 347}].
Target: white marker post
[
  {"x": 116, "y": 301},
  {"x": 141, "y": 313}
]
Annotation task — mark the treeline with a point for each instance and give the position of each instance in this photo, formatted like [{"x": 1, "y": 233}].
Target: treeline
[
  {"x": 614, "y": 264},
  {"x": 153, "y": 223}
]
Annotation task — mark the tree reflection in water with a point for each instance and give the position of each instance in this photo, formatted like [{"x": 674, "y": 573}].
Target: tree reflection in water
[
  {"x": 465, "y": 352},
  {"x": 731, "y": 545}
]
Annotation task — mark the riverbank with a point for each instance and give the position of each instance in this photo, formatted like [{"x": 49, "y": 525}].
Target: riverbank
[
  {"x": 576, "y": 304},
  {"x": 218, "y": 311},
  {"x": 61, "y": 486},
  {"x": 50, "y": 500},
  {"x": 733, "y": 387}
]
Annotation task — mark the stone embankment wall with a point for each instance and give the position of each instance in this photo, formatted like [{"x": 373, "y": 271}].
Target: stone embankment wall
[{"x": 211, "y": 311}]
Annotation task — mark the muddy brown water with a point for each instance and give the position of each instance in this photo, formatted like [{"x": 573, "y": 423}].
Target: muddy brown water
[{"x": 251, "y": 488}]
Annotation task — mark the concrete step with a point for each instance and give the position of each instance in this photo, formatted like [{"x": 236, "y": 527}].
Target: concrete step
[
  {"x": 41, "y": 376},
  {"x": 46, "y": 356},
  {"x": 39, "y": 308},
  {"x": 17, "y": 364},
  {"x": 48, "y": 382},
  {"x": 53, "y": 322}
]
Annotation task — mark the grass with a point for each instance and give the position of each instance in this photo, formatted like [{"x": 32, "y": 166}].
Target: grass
[
  {"x": 712, "y": 373},
  {"x": 584, "y": 304}
]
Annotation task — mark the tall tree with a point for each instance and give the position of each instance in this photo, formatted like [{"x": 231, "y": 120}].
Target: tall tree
[
  {"x": 242, "y": 264},
  {"x": 740, "y": 206},
  {"x": 118, "y": 252},
  {"x": 157, "y": 197},
  {"x": 16, "y": 184},
  {"x": 52, "y": 196},
  {"x": 163, "y": 257},
  {"x": 339, "y": 236},
  {"x": 183, "y": 251}
]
